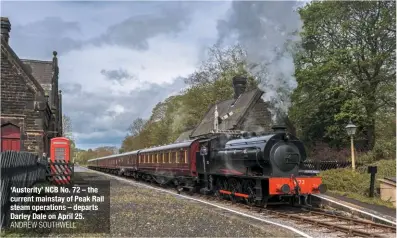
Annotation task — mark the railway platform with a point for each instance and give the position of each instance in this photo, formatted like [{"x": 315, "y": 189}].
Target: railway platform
[
  {"x": 137, "y": 211},
  {"x": 372, "y": 212}
]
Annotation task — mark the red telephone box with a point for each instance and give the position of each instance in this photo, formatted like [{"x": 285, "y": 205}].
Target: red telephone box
[{"x": 60, "y": 159}]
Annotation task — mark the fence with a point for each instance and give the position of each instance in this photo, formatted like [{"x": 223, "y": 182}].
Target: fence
[
  {"x": 310, "y": 167},
  {"x": 18, "y": 169}
]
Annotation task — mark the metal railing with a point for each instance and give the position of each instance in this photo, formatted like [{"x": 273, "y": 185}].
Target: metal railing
[{"x": 18, "y": 169}]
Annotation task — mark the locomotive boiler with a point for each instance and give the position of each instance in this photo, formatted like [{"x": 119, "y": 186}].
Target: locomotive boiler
[{"x": 278, "y": 154}]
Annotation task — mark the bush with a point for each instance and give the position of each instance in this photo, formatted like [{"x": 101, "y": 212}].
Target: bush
[
  {"x": 345, "y": 180},
  {"x": 355, "y": 184}
]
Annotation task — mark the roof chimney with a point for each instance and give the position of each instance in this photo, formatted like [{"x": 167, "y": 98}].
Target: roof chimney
[
  {"x": 279, "y": 128},
  {"x": 5, "y": 28},
  {"x": 239, "y": 85}
]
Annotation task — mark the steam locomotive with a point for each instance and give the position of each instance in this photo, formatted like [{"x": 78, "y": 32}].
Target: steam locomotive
[{"x": 257, "y": 169}]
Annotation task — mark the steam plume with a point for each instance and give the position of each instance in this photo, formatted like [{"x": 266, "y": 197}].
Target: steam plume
[{"x": 266, "y": 30}]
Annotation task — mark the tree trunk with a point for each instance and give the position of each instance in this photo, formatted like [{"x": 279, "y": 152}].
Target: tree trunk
[{"x": 370, "y": 136}]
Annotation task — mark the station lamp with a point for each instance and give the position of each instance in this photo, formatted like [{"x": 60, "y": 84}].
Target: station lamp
[{"x": 351, "y": 130}]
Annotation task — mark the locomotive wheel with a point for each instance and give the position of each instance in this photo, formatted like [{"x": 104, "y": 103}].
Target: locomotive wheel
[
  {"x": 235, "y": 187},
  {"x": 249, "y": 188}
]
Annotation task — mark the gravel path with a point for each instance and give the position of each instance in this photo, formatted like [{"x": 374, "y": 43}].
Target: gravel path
[{"x": 137, "y": 212}]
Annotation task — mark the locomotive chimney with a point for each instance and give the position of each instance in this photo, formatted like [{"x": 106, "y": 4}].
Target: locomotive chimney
[
  {"x": 239, "y": 85},
  {"x": 279, "y": 129}
]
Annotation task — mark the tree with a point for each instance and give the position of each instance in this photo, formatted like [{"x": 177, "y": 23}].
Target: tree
[
  {"x": 67, "y": 126},
  {"x": 136, "y": 127},
  {"x": 345, "y": 68},
  {"x": 222, "y": 63}
]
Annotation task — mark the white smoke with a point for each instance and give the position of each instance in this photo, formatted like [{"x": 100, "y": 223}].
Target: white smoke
[{"x": 266, "y": 30}]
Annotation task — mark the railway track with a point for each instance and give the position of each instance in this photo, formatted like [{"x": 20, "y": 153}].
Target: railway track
[
  {"x": 317, "y": 218},
  {"x": 310, "y": 217},
  {"x": 346, "y": 226}
]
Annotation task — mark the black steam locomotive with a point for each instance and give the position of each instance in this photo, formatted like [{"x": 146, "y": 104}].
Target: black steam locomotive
[{"x": 258, "y": 169}]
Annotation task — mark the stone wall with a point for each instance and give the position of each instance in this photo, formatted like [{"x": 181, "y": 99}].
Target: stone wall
[
  {"x": 258, "y": 118},
  {"x": 18, "y": 96}
]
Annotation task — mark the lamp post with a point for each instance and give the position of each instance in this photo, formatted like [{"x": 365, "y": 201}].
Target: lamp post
[
  {"x": 351, "y": 130},
  {"x": 203, "y": 153}
]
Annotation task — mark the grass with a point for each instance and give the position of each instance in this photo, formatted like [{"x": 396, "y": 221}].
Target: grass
[{"x": 355, "y": 184}]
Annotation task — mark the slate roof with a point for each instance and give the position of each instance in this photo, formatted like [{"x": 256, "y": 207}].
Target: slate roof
[
  {"x": 184, "y": 136},
  {"x": 239, "y": 108},
  {"x": 42, "y": 71}
]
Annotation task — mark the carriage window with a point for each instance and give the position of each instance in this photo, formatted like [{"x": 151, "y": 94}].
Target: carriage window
[
  {"x": 162, "y": 155},
  {"x": 157, "y": 158},
  {"x": 166, "y": 157},
  {"x": 185, "y": 156},
  {"x": 178, "y": 154},
  {"x": 173, "y": 157}
]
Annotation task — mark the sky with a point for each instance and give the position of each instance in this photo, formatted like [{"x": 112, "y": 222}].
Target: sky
[{"x": 117, "y": 60}]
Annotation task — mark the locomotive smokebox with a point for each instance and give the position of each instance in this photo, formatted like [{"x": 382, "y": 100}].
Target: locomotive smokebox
[{"x": 279, "y": 129}]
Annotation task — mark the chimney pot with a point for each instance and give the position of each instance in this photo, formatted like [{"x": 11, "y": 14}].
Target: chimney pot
[
  {"x": 239, "y": 85},
  {"x": 5, "y": 28},
  {"x": 279, "y": 128}
]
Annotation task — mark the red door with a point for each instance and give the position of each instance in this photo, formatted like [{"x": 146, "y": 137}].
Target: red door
[{"x": 10, "y": 138}]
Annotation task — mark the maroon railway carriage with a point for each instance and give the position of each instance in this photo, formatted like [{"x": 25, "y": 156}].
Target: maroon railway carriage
[
  {"x": 174, "y": 162},
  {"x": 118, "y": 164},
  {"x": 169, "y": 162}
]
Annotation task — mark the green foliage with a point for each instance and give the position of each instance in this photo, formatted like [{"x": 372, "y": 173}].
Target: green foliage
[
  {"x": 345, "y": 70},
  {"x": 345, "y": 180},
  {"x": 356, "y": 184}
]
